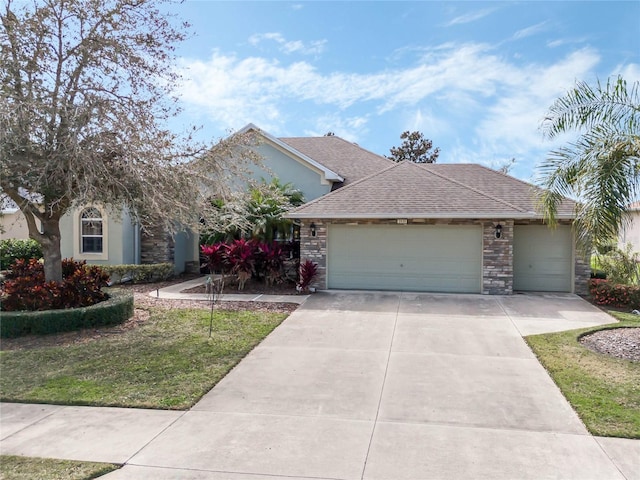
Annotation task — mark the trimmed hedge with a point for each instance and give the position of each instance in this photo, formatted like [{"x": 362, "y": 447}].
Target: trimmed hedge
[
  {"x": 605, "y": 292},
  {"x": 12, "y": 249},
  {"x": 154, "y": 272},
  {"x": 117, "y": 309}
]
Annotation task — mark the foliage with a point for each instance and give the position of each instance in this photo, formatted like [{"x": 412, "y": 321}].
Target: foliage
[
  {"x": 257, "y": 213},
  {"x": 88, "y": 89},
  {"x": 246, "y": 258},
  {"x": 25, "y": 287},
  {"x": 308, "y": 272},
  {"x": 621, "y": 266},
  {"x": 606, "y": 292},
  {"x": 12, "y": 249},
  {"x": 27, "y": 468},
  {"x": 240, "y": 254},
  {"x": 602, "y": 167},
  {"x": 168, "y": 362},
  {"x": 415, "y": 148},
  {"x": 117, "y": 309},
  {"x": 155, "y": 272},
  {"x": 604, "y": 391}
]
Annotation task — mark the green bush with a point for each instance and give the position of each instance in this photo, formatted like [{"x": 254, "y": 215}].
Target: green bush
[
  {"x": 155, "y": 272},
  {"x": 117, "y": 309},
  {"x": 13, "y": 249},
  {"x": 621, "y": 265}
]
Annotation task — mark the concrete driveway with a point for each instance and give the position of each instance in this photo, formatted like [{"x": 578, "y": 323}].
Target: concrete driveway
[{"x": 360, "y": 385}]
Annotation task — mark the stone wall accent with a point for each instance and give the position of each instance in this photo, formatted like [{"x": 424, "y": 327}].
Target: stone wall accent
[
  {"x": 156, "y": 246},
  {"x": 582, "y": 273},
  {"x": 315, "y": 249},
  {"x": 497, "y": 258}
]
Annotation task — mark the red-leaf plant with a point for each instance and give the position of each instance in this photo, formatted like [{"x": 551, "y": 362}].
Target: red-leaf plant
[
  {"x": 217, "y": 257},
  {"x": 241, "y": 259},
  {"x": 308, "y": 271},
  {"x": 273, "y": 262}
]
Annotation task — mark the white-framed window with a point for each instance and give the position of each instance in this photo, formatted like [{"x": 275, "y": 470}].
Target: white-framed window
[{"x": 91, "y": 231}]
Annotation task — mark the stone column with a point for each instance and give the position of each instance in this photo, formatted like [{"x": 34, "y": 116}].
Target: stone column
[
  {"x": 497, "y": 258},
  {"x": 314, "y": 248}
]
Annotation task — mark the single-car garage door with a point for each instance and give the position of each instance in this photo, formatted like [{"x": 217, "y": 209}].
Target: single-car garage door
[
  {"x": 429, "y": 258},
  {"x": 542, "y": 258}
]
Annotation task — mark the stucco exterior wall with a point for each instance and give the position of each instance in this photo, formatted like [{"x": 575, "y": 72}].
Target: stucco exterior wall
[
  {"x": 288, "y": 170},
  {"x": 14, "y": 225},
  {"x": 631, "y": 232}
]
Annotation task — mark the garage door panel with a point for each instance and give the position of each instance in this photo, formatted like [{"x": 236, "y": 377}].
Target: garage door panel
[
  {"x": 415, "y": 258},
  {"x": 542, "y": 258}
]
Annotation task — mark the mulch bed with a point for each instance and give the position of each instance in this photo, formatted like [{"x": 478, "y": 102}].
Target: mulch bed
[{"x": 252, "y": 286}]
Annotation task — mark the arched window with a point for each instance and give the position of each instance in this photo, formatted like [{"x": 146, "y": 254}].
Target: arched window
[{"x": 91, "y": 230}]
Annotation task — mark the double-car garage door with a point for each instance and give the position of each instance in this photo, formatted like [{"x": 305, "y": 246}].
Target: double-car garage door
[
  {"x": 442, "y": 258},
  {"x": 423, "y": 258}
]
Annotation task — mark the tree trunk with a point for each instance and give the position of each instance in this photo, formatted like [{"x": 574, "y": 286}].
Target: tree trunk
[{"x": 50, "y": 241}]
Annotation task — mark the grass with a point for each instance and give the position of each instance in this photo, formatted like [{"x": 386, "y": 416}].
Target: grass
[
  {"x": 604, "y": 391},
  {"x": 29, "y": 468},
  {"x": 168, "y": 363}
]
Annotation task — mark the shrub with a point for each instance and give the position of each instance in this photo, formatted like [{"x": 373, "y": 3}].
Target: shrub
[
  {"x": 25, "y": 287},
  {"x": 606, "y": 292},
  {"x": 154, "y": 272},
  {"x": 241, "y": 259},
  {"x": 13, "y": 249},
  {"x": 272, "y": 262},
  {"x": 621, "y": 265},
  {"x": 308, "y": 271},
  {"x": 117, "y": 309},
  {"x": 216, "y": 257}
]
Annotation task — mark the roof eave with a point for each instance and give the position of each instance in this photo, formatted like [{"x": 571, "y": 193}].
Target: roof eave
[
  {"x": 328, "y": 173},
  {"x": 469, "y": 215}
]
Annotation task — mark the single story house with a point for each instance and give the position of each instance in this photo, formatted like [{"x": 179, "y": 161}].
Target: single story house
[{"x": 371, "y": 223}]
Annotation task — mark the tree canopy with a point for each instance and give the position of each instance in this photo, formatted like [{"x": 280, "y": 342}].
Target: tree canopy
[
  {"x": 601, "y": 169},
  {"x": 87, "y": 87},
  {"x": 415, "y": 148}
]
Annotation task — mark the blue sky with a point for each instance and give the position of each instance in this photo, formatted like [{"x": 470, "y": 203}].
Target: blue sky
[{"x": 475, "y": 77}]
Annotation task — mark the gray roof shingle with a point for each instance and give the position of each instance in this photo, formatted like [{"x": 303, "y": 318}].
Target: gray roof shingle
[
  {"x": 430, "y": 191},
  {"x": 350, "y": 161}
]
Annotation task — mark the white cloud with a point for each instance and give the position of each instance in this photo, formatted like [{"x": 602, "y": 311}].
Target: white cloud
[
  {"x": 470, "y": 17},
  {"x": 445, "y": 88},
  {"x": 294, "y": 46},
  {"x": 530, "y": 31}
]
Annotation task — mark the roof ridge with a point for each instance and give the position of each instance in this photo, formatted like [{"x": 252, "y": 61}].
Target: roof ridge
[
  {"x": 508, "y": 204},
  {"x": 347, "y": 187}
]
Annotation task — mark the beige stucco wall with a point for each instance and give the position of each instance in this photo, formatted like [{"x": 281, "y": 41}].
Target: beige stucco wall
[
  {"x": 14, "y": 225},
  {"x": 631, "y": 233}
]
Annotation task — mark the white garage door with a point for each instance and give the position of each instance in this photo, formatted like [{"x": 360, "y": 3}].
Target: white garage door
[
  {"x": 405, "y": 257},
  {"x": 542, "y": 258}
]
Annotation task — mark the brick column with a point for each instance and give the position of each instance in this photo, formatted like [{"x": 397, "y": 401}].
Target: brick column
[
  {"x": 315, "y": 249},
  {"x": 156, "y": 246},
  {"x": 497, "y": 258},
  {"x": 582, "y": 273}
]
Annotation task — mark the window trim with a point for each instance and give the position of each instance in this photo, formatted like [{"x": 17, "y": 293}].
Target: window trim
[{"x": 78, "y": 234}]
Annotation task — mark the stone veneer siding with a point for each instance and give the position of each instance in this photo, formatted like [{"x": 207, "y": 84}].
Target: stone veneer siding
[
  {"x": 156, "y": 246},
  {"x": 497, "y": 258},
  {"x": 497, "y": 268}
]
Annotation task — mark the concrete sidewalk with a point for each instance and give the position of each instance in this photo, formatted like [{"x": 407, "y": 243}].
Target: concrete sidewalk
[{"x": 360, "y": 386}]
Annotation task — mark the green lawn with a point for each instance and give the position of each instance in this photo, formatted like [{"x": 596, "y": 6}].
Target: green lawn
[
  {"x": 28, "y": 468},
  {"x": 167, "y": 363},
  {"x": 604, "y": 391}
]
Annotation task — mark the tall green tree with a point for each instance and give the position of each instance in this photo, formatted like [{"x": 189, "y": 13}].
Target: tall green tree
[
  {"x": 601, "y": 169},
  {"x": 86, "y": 90},
  {"x": 415, "y": 148}
]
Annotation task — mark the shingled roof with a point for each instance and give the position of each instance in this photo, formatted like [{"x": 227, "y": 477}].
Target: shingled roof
[
  {"x": 349, "y": 160},
  {"x": 409, "y": 190}
]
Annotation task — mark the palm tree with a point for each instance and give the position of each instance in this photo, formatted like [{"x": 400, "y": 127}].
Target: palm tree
[{"x": 601, "y": 169}]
